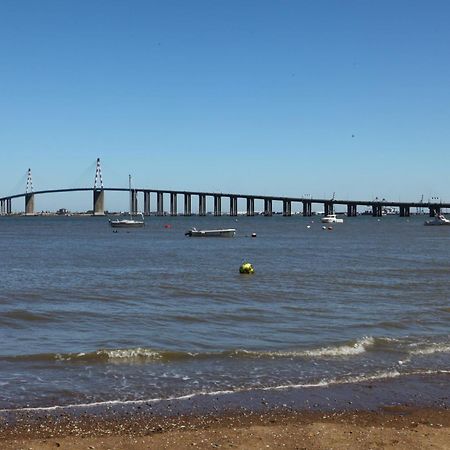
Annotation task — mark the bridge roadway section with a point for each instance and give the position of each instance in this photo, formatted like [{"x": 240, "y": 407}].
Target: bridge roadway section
[{"x": 328, "y": 204}]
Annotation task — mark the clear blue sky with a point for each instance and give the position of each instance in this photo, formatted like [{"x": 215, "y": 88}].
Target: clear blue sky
[{"x": 272, "y": 97}]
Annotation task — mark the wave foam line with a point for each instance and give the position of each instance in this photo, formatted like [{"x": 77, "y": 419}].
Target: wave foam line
[
  {"x": 350, "y": 380},
  {"x": 322, "y": 383},
  {"x": 115, "y": 402},
  {"x": 430, "y": 350},
  {"x": 358, "y": 379},
  {"x": 142, "y": 354},
  {"x": 357, "y": 348}
]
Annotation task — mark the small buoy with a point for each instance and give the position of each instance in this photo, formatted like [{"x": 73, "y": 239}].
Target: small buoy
[
  {"x": 246, "y": 267},
  {"x": 324, "y": 227},
  {"x": 167, "y": 225},
  {"x": 308, "y": 226},
  {"x": 330, "y": 228},
  {"x": 253, "y": 234}
]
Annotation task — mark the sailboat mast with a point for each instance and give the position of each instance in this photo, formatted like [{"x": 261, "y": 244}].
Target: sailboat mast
[{"x": 131, "y": 196}]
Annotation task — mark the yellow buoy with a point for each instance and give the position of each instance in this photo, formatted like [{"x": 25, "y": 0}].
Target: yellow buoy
[{"x": 246, "y": 267}]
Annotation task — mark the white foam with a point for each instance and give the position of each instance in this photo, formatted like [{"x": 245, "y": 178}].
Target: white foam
[
  {"x": 132, "y": 353},
  {"x": 331, "y": 382},
  {"x": 357, "y": 348},
  {"x": 431, "y": 349},
  {"x": 116, "y": 402},
  {"x": 360, "y": 346}
]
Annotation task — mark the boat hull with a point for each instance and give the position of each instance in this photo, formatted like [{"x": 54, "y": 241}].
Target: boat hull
[
  {"x": 331, "y": 220},
  {"x": 211, "y": 233},
  {"x": 433, "y": 224},
  {"x": 126, "y": 224},
  {"x": 439, "y": 219}
]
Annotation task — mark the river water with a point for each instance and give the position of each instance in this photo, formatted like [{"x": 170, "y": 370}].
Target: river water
[{"x": 90, "y": 315}]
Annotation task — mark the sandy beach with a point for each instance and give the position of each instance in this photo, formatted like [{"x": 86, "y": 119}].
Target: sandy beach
[
  {"x": 411, "y": 413},
  {"x": 392, "y": 428}
]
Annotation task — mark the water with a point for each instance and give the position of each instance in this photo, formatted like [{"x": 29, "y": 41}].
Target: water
[{"x": 88, "y": 315}]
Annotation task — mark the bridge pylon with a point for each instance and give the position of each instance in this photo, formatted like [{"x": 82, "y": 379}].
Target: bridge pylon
[
  {"x": 98, "y": 208},
  {"x": 29, "y": 196}
]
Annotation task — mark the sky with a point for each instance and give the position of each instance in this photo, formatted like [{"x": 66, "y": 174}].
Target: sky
[{"x": 288, "y": 97}]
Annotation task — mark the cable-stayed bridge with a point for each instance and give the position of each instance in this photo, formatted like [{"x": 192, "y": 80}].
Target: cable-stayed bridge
[{"x": 328, "y": 205}]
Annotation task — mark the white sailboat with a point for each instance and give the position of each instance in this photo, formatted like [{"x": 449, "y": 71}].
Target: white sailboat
[{"x": 129, "y": 223}]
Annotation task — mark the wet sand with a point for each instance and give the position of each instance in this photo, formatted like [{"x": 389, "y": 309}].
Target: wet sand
[{"x": 409, "y": 413}]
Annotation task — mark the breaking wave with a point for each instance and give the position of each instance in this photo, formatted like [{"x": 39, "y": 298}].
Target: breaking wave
[
  {"x": 431, "y": 349},
  {"x": 142, "y": 354},
  {"x": 357, "y": 348}
]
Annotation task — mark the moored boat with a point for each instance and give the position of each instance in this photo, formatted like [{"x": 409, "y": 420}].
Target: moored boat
[
  {"x": 331, "y": 218},
  {"x": 224, "y": 232},
  {"x": 439, "y": 219},
  {"x": 127, "y": 223}
]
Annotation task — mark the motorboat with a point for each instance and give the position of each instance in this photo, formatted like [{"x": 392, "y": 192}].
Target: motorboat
[
  {"x": 439, "y": 219},
  {"x": 225, "y": 232},
  {"x": 331, "y": 218},
  {"x": 128, "y": 223}
]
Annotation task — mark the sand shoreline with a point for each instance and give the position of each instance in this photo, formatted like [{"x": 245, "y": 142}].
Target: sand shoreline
[
  {"x": 398, "y": 427},
  {"x": 408, "y": 413}
]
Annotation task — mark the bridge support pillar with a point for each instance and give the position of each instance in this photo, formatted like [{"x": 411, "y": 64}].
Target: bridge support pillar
[
  {"x": 202, "y": 205},
  {"x": 377, "y": 210},
  {"x": 404, "y": 211},
  {"x": 146, "y": 203},
  {"x": 328, "y": 208},
  {"x": 307, "y": 209},
  {"x": 2, "y": 207},
  {"x": 233, "y": 206},
  {"x": 287, "y": 208},
  {"x": 217, "y": 205},
  {"x": 29, "y": 204},
  {"x": 187, "y": 205},
  {"x": 159, "y": 203},
  {"x": 250, "y": 206},
  {"x": 434, "y": 209},
  {"x": 8, "y": 206},
  {"x": 98, "y": 208},
  {"x": 351, "y": 210},
  {"x": 133, "y": 202},
  {"x": 173, "y": 204},
  {"x": 268, "y": 207}
]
